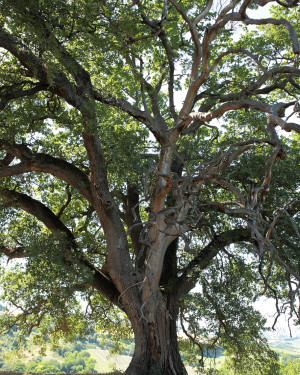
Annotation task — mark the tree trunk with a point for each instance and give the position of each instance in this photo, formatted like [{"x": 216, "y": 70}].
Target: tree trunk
[{"x": 156, "y": 347}]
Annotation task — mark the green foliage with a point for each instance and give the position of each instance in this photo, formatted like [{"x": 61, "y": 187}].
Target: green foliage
[
  {"x": 72, "y": 362},
  {"x": 133, "y": 55},
  {"x": 292, "y": 368},
  {"x": 256, "y": 360},
  {"x": 46, "y": 367},
  {"x": 78, "y": 362}
]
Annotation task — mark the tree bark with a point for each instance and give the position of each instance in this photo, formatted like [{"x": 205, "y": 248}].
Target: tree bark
[{"x": 156, "y": 347}]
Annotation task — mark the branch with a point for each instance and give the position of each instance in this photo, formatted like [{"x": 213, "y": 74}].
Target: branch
[
  {"x": 24, "y": 55},
  {"x": 131, "y": 216},
  {"x": 13, "y": 252},
  {"x": 192, "y": 28},
  {"x": 282, "y": 22},
  {"x": 40, "y": 162},
  {"x": 287, "y": 126},
  {"x": 153, "y": 91},
  {"x": 81, "y": 76},
  {"x": 37, "y": 209},
  {"x": 65, "y": 205},
  {"x": 239, "y": 50},
  {"x": 209, "y": 36},
  {"x": 193, "y": 270},
  {"x": 169, "y": 54},
  {"x": 216, "y": 165},
  {"x": 288, "y": 4},
  {"x": 254, "y": 88},
  {"x": 10, "y": 95},
  {"x": 56, "y": 226},
  {"x": 7, "y": 160},
  {"x": 230, "y": 106},
  {"x": 233, "y": 189},
  {"x": 203, "y": 13},
  {"x": 227, "y": 8},
  {"x": 118, "y": 256},
  {"x": 142, "y": 116},
  {"x": 60, "y": 84}
]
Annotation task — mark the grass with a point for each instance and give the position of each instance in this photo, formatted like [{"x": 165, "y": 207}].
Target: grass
[{"x": 107, "y": 362}]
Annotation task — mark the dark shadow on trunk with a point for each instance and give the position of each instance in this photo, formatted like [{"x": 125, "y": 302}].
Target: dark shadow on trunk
[{"x": 156, "y": 346}]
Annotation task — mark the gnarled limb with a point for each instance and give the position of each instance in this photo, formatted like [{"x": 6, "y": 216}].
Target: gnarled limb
[
  {"x": 41, "y": 162},
  {"x": 282, "y": 22},
  {"x": 142, "y": 116},
  {"x": 13, "y": 252},
  {"x": 10, "y": 94},
  {"x": 37, "y": 209},
  {"x": 193, "y": 270}
]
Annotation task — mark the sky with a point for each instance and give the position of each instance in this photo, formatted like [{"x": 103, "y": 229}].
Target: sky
[{"x": 268, "y": 309}]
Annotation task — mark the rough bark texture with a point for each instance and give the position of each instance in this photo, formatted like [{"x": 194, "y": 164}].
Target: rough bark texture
[
  {"x": 156, "y": 346},
  {"x": 138, "y": 271}
]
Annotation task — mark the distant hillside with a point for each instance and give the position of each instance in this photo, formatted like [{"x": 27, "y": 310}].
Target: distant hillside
[{"x": 100, "y": 349}]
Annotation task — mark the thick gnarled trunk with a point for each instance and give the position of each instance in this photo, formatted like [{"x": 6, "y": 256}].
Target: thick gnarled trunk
[{"x": 156, "y": 347}]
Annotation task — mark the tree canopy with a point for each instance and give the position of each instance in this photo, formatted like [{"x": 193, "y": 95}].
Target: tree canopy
[{"x": 148, "y": 147}]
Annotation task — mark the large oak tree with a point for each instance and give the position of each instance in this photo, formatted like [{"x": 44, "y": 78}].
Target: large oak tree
[{"x": 148, "y": 147}]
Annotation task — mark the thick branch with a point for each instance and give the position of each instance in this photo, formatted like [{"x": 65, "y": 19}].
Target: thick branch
[
  {"x": 132, "y": 217},
  {"x": 41, "y": 162},
  {"x": 118, "y": 257},
  {"x": 56, "y": 226},
  {"x": 10, "y": 95},
  {"x": 24, "y": 55},
  {"x": 192, "y": 272},
  {"x": 38, "y": 210},
  {"x": 8, "y": 158},
  {"x": 142, "y": 116},
  {"x": 282, "y": 22},
  {"x": 287, "y": 126},
  {"x": 13, "y": 252},
  {"x": 230, "y": 106}
]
